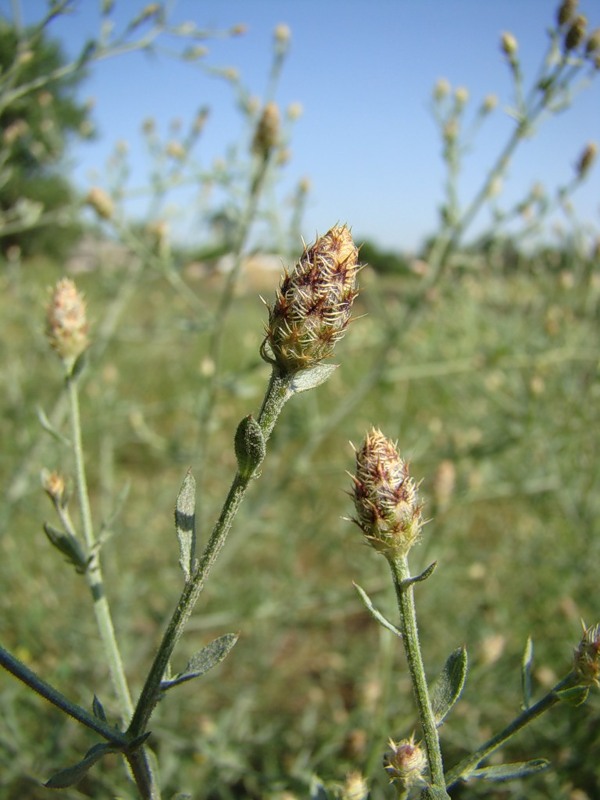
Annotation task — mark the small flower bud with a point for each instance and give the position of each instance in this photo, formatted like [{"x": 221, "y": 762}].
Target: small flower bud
[
  {"x": 566, "y": 11},
  {"x": 385, "y": 497},
  {"x": 461, "y": 96},
  {"x": 509, "y": 45},
  {"x": 313, "y": 304},
  {"x": 66, "y": 322},
  {"x": 266, "y": 136},
  {"x": 282, "y": 34},
  {"x": 587, "y": 657},
  {"x": 576, "y": 33},
  {"x": 586, "y": 159},
  {"x": 53, "y": 484},
  {"x": 355, "y": 787},
  {"x": 441, "y": 90},
  {"x": 99, "y": 200},
  {"x": 250, "y": 447},
  {"x": 490, "y": 102},
  {"x": 405, "y": 763},
  {"x": 592, "y": 46}
]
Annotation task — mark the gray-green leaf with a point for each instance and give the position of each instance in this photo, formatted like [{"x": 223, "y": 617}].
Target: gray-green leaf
[
  {"x": 375, "y": 613},
  {"x": 507, "y": 772},
  {"x": 205, "y": 659},
  {"x": 313, "y": 377},
  {"x": 448, "y": 687},
  {"x": 526, "y": 663},
  {"x": 185, "y": 524},
  {"x": 72, "y": 775}
]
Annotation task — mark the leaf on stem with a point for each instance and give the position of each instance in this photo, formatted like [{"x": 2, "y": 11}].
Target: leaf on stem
[
  {"x": 421, "y": 577},
  {"x": 375, "y": 613},
  {"x": 575, "y": 696},
  {"x": 49, "y": 427},
  {"x": 185, "y": 524},
  {"x": 448, "y": 687},
  {"x": 72, "y": 775},
  {"x": 507, "y": 772},
  {"x": 68, "y": 546},
  {"x": 311, "y": 378},
  {"x": 98, "y": 709},
  {"x": 526, "y": 664},
  {"x": 204, "y": 660}
]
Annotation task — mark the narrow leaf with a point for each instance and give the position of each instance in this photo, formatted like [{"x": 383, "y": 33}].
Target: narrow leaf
[
  {"x": 448, "y": 687},
  {"x": 313, "y": 377},
  {"x": 575, "y": 696},
  {"x": 185, "y": 524},
  {"x": 49, "y": 427},
  {"x": 507, "y": 772},
  {"x": 421, "y": 577},
  {"x": 98, "y": 709},
  {"x": 204, "y": 660},
  {"x": 72, "y": 775},
  {"x": 526, "y": 664},
  {"x": 68, "y": 546},
  {"x": 375, "y": 613}
]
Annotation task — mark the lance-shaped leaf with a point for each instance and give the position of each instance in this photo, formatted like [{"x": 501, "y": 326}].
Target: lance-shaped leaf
[
  {"x": 68, "y": 546},
  {"x": 98, "y": 709},
  {"x": 185, "y": 524},
  {"x": 575, "y": 696},
  {"x": 422, "y": 576},
  {"x": 205, "y": 659},
  {"x": 449, "y": 685},
  {"x": 375, "y": 613},
  {"x": 313, "y": 377},
  {"x": 526, "y": 664},
  {"x": 72, "y": 775},
  {"x": 507, "y": 772}
]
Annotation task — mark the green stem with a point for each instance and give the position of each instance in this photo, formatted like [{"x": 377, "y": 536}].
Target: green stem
[
  {"x": 278, "y": 392},
  {"x": 94, "y": 571},
  {"x": 410, "y": 639},
  {"x": 465, "y": 767}
]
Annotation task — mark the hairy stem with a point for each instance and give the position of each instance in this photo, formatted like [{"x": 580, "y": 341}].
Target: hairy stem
[{"x": 410, "y": 639}]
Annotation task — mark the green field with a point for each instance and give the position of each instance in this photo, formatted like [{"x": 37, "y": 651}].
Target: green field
[{"x": 493, "y": 383}]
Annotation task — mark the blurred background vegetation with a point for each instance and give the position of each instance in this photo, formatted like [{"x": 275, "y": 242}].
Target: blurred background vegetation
[{"x": 486, "y": 371}]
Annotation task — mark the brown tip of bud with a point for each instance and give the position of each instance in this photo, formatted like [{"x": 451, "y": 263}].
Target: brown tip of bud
[
  {"x": 385, "y": 497},
  {"x": 313, "y": 305},
  {"x": 66, "y": 322},
  {"x": 53, "y": 484},
  {"x": 266, "y": 136}
]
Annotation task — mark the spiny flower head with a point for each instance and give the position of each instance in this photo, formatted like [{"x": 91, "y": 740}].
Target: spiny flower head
[
  {"x": 587, "y": 656},
  {"x": 405, "y": 763},
  {"x": 313, "y": 304},
  {"x": 385, "y": 497},
  {"x": 66, "y": 321}
]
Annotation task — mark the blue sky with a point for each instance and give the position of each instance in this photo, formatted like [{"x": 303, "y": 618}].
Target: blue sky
[{"x": 363, "y": 71}]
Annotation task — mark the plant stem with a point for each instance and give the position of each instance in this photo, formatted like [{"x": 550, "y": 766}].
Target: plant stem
[
  {"x": 278, "y": 392},
  {"x": 94, "y": 572},
  {"x": 410, "y": 639},
  {"x": 465, "y": 767}
]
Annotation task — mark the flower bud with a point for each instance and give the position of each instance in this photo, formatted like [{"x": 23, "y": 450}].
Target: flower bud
[
  {"x": 586, "y": 159},
  {"x": 509, "y": 45},
  {"x": 266, "y": 136},
  {"x": 99, "y": 200},
  {"x": 441, "y": 90},
  {"x": 355, "y": 787},
  {"x": 250, "y": 446},
  {"x": 385, "y": 497},
  {"x": 592, "y": 46},
  {"x": 53, "y": 484},
  {"x": 313, "y": 304},
  {"x": 405, "y": 763},
  {"x": 576, "y": 33},
  {"x": 587, "y": 657},
  {"x": 66, "y": 322},
  {"x": 566, "y": 11}
]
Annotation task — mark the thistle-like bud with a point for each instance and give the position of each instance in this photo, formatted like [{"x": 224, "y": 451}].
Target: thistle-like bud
[
  {"x": 587, "y": 657},
  {"x": 313, "y": 304},
  {"x": 266, "y": 136},
  {"x": 99, "y": 200},
  {"x": 592, "y": 46},
  {"x": 586, "y": 159},
  {"x": 566, "y": 11},
  {"x": 509, "y": 45},
  {"x": 405, "y": 763},
  {"x": 355, "y": 787},
  {"x": 66, "y": 322},
  {"x": 385, "y": 497},
  {"x": 576, "y": 33}
]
